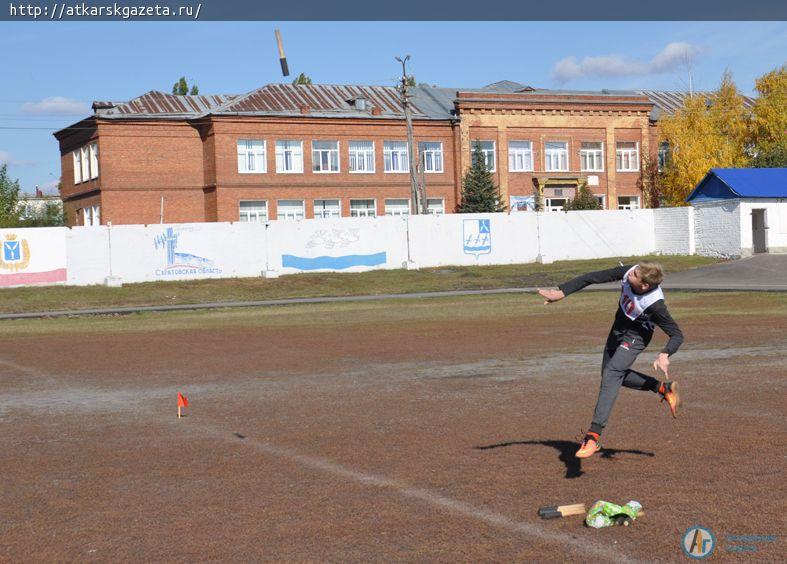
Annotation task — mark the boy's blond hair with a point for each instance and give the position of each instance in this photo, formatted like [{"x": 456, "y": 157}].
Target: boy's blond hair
[{"x": 651, "y": 272}]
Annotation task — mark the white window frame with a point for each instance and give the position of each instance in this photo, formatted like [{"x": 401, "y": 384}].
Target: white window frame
[
  {"x": 296, "y": 151},
  {"x": 85, "y": 153},
  {"x": 550, "y": 153},
  {"x": 331, "y": 213},
  {"x": 362, "y": 155},
  {"x": 519, "y": 152},
  {"x": 287, "y": 216},
  {"x": 623, "y": 156},
  {"x": 435, "y": 156},
  {"x": 632, "y": 205},
  {"x": 490, "y": 155},
  {"x": 252, "y": 150},
  {"x": 93, "y": 148},
  {"x": 402, "y": 152},
  {"x": 332, "y": 154},
  {"x": 392, "y": 209},
  {"x": 259, "y": 217},
  {"x": 602, "y": 199},
  {"x": 77, "y": 166},
  {"x": 597, "y": 155},
  {"x": 432, "y": 208},
  {"x": 365, "y": 211}
]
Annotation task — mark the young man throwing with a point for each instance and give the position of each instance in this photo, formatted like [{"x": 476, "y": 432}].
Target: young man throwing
[{"x": 641, "y": 309}]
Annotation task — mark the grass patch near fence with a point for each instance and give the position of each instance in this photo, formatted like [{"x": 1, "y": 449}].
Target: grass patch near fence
[{"x": 313, "y": 285}]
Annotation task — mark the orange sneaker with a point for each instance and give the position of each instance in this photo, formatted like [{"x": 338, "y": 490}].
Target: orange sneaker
[
  {"x": 672, "y": 397},
  {"x": 590, "y": 446}
]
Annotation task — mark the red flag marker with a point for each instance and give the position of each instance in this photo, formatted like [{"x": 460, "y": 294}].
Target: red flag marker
[{"x": 183, "y": 401}]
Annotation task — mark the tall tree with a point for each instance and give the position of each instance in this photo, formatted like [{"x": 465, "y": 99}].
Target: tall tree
[
  {"x": 769, "y": 120},
  {"x": 181, "y": 88},
  {"x": 479, "y": 193},
  {"x": 705, "y": 133},
  {"x": 9, "y": 199},
  {"x": 302, "y": 79}
]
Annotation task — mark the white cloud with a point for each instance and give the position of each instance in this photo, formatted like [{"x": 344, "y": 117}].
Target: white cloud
[
  {"x": 668, "y": 59},
  {"x": 672, "y": 57},
  {"x": 56, "y": 105}
]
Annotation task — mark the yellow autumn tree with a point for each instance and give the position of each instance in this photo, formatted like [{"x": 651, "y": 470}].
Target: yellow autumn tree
[
  {"x": 708, "y": 132},
  {"x": 769, "y": 120}
]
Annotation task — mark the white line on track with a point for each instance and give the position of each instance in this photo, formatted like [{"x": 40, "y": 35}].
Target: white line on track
[{"x": 455, "y": 506}]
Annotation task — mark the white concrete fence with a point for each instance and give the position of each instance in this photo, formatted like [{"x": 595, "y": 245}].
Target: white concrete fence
[{"x": 137, "y": 253}]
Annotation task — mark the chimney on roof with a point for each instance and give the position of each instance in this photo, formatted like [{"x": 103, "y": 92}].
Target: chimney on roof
[
  {"x": 304, "y": 109},
  {"x": 39, "y": 193},
  {"x": 376, "y": 111}
]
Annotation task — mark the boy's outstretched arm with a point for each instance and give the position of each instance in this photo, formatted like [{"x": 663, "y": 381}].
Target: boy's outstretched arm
[{"x": 576, "y": 284}]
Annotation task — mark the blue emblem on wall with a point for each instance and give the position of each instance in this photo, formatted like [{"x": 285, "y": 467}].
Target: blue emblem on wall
[
  {"x": 477, "y": 236},
  {"x": 181, "y": 263},
  {"x": 11, "y": 251}
]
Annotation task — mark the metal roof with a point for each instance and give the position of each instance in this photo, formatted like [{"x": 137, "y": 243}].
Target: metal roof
[
  {"x": 158, "y": 103},
  {"x": 726, "y": 183},
  {"x": 332, "y": 99},
  {"x": 668, "y": 103}
]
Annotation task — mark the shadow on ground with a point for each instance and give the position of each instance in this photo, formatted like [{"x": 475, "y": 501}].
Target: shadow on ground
[{"x": 566, "y": 450}]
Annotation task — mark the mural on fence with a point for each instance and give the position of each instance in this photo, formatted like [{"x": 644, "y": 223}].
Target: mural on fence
[
  {"x": 333, "y": 239},
  {"x": 31, "y": 259},
  {"x": 477, "y": 236},
  {"x": 180, "y": 263}
]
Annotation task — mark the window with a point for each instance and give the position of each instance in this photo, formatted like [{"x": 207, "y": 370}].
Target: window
[
  {"x": 628, "y": 202},
  {"x": 93, "y": 160},
  {"x": 289, "y": 156},
  {"x": 488, "y": 149},
  {"x": 431, "y": 156},
  {"x": 324, "y": 209},
  {"x": 77, "y": 167},
  {"x": 363, "y": 208},
  {"x": 91, "y": 215},
  {"x": 254, "y": 211},
  {"x": 325, "y": 156},
  {"x": 520, "y": 156},
  {"x": 556, "y": 156},
  {"x": 601, "y": 201},
  {"x": 591, "y": 156},
  {"x": 435, "y": 206},
  {"x": 555, "y": 204},
  {"x": 85, "y": 164},
  {"x": 289, "y": 209},
  {"x": 251, "y": 156},
  {"x": 395, "y": 156},
  {"x": 663, "y": 155},
  {"x": 361, "y": 156},
  {"x": 627, "y": 156},
  {"x": 397, "y": 207}
]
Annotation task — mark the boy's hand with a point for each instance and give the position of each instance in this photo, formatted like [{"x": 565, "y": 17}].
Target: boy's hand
[
  {"x": 551, "y": 295},
  {"x": 662, "y": 363}
]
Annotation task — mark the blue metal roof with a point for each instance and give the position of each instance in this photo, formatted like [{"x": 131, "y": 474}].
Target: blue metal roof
[{"x": 728, "y": 183}]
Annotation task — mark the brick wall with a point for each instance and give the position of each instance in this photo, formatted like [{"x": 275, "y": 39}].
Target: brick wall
[
  {"x": 674, "y": 229},
  {"x": 717, "y": 228}
]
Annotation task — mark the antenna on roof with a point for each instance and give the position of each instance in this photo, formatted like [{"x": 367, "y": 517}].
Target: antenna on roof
[{"x": 282, "y": 59}]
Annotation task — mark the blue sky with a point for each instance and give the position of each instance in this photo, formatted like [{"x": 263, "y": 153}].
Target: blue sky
[{"x": 52, "y": 71}]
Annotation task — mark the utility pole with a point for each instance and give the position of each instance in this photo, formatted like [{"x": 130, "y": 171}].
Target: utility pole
[{"x": 415, "y": 190}]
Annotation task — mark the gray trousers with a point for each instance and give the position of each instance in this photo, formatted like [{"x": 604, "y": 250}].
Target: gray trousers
[{"x": 620, "y": 353}]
